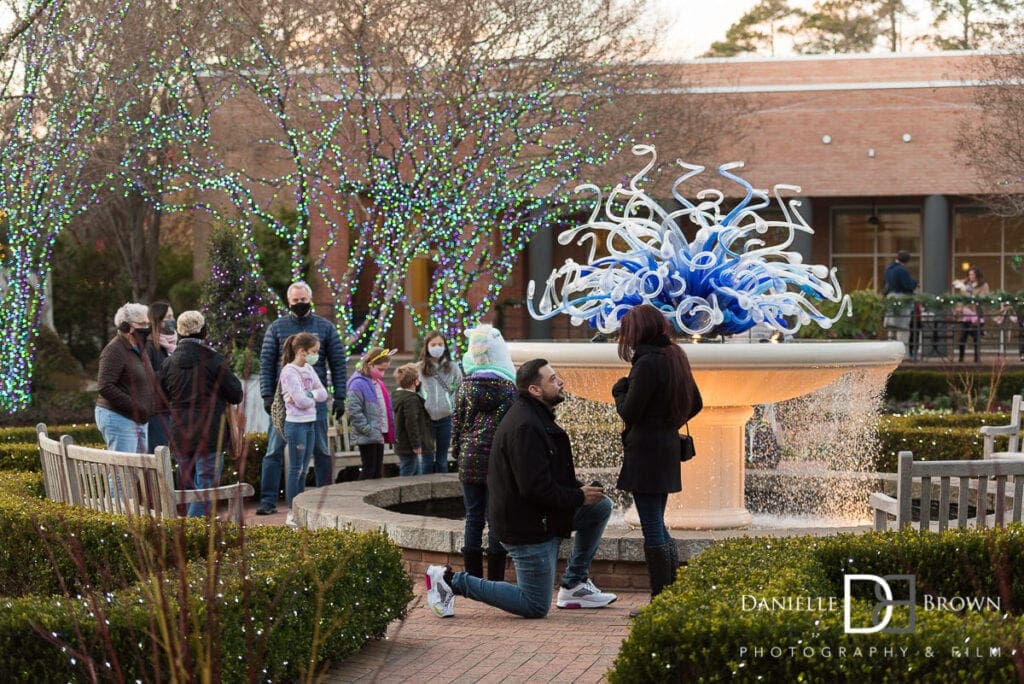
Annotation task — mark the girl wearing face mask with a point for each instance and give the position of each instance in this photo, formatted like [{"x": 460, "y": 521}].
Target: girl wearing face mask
[
  {"x": 439, "y": 376},
  {"x": 161, "y": 343},
  {"x": 302, "y": 391},
  {"x": 368, "y": 405}
]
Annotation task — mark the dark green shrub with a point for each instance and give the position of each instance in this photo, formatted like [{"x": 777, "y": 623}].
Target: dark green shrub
[
  {"x": 703, "y": 628},
  {"x": 917, "y": 384},
  {"x": 865, "y": 322},
  {"x": 234, "y": 604}
]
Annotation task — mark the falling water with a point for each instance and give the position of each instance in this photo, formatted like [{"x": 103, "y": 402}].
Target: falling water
[{"x": 827, "y": 440}]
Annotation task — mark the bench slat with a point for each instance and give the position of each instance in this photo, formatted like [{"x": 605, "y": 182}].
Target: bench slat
[{"x": 991, "y": 480}]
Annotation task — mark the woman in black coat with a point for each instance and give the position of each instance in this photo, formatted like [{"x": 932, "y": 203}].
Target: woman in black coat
[{"x": 657, "y": 398}]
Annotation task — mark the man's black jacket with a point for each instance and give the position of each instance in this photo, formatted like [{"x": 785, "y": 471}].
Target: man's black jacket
[{"x": 532, "y": 487}]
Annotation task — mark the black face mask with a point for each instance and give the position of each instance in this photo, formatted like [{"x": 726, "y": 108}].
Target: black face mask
[
  {"x": 142, "y": 333},
  {"x": 169, "y": 325},
  {"x": 301, "y": 310}
]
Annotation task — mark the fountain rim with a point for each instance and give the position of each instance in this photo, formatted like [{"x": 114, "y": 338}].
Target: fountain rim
[{"x": 708, "y": 356}]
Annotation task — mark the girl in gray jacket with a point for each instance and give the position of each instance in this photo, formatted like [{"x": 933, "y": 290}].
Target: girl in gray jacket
[{"x": 439, "y": 376}]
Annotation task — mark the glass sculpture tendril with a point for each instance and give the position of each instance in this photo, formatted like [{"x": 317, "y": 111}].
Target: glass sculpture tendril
[{"x": 724, "y": 281}]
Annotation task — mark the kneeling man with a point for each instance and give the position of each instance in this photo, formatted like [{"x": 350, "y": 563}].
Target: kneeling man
[{"x": 534, "y": 501}]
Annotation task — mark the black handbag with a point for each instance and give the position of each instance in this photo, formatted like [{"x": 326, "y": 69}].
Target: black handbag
[{"x": 686, "y": 450}]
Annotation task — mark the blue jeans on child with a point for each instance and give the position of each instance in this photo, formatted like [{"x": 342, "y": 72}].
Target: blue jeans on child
[
  {"x": 474, "y": 496},
  {"x": 409, "y": 464},
  {"x": 301, "y": 438},
  {"x": 535, "y": 564},
  {"x": 438, "y": 462},
  {"x": 273, "y": 460}
]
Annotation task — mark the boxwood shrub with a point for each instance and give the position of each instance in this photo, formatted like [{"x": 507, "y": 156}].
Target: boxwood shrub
[
  {"x": 934, "y": 437},
  {"x": 98, "y": 596},
  {"x": 710, "y": 626}
]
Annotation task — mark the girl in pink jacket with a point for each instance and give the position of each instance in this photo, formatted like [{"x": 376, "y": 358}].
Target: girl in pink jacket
[{"x": 302, "y": 391}]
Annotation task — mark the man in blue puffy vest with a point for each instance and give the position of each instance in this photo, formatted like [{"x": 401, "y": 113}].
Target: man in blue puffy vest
[{"x": 332, "y": 355}]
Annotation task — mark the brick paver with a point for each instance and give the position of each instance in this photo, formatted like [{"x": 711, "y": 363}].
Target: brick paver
[{"x": 484, "y": 644}]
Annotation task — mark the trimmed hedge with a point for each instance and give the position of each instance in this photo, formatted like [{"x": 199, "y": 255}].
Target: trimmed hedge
[
  {"x": 911, "y": 384},
  {"x": 934, "y": 437},
  {"x": 703, "y": 629},
  {"x": 139, "y": 599}
]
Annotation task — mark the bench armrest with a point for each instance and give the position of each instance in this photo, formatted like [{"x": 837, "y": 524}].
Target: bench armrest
[
  {"x": 996, "y": 430},
  {"x": 883, "y": 502},
  {"x": 884, "y": 506}
]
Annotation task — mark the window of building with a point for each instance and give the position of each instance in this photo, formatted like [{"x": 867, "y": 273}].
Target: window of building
[
  {"x": 991, "y": 243},
  {"x": 865, "y": 240}
]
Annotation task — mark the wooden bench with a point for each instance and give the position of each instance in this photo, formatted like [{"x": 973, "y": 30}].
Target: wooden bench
[
  {"x": 1011, "y": 432},
  {"x": 51, "y": 455},
  {"x": 346, "y": 454},
  {"x": 119, "y": 482},
  {"x": 996, "y": 484}
]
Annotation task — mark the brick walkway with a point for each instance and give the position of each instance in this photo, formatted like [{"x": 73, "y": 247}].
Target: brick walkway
[{"x": 484, "y": 644}]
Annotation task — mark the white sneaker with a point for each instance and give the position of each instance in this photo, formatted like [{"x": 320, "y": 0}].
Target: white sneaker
[
  {"x": 289, "y": 520},
  {"x": 440, "y": 597},
  {"x": 584, "y": 595}
]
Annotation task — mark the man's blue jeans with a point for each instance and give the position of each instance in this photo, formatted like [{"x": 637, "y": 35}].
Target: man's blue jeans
[
  {"x": 120, "y": 433},
  {"x": 535, "y": 567},
  {"x": 273, "y": 460},
  {"x": 650, "y": 508},
  {"x": 206, "y": 475},
  {"x": 438, "y": 463}
]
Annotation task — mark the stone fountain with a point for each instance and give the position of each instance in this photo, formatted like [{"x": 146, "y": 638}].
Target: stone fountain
[{"x": 723, "y": 281}]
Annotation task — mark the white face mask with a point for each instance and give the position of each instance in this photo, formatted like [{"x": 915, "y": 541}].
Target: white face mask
[{"x": 436, "y": 350}]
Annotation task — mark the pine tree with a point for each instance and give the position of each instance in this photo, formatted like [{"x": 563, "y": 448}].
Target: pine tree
[{"x": 234, "y": 302}]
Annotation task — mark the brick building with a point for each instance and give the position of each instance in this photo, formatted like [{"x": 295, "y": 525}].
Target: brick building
[{"x": 868, "y": 138}]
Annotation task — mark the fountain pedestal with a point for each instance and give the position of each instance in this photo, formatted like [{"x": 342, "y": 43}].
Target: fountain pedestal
[{"x": 732, "y": 378}]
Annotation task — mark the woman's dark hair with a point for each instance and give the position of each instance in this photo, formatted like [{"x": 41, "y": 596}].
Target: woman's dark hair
[
  {"x": 157, "y": 312},
  {"x": 646, "y": 325},
  {"x": 977, "y": 273},
  {"x": 304, "y": 341},
  {"x": 429, "y": 363}
]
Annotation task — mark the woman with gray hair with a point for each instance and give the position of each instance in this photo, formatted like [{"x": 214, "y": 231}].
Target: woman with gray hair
[{"x": 126, "y": 383}]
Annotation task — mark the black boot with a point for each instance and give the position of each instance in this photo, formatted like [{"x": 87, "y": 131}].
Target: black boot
[
  {"x": 473, "y": 561},
  {"x": 660, "y": 568},
  {"x": 673, "y": 554},
  {"x": 496, "y": 566}
]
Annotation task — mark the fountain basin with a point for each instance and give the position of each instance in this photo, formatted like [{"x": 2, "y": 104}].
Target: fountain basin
[
  {"x": 425, "y": 539},
  {"x": 732, "y": 379}
]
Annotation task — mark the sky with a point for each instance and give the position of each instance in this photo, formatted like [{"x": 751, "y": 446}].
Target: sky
[{"x": 695, "y": 24}]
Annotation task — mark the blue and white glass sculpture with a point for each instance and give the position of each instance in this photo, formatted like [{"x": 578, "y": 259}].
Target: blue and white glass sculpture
[{"x": 724, "y": 281}]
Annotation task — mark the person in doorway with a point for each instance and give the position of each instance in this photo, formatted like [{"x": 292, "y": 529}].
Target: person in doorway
[
  {"x": 899, "y": 285},
  {"x": 970, "y": 313},
  {"x": 536, "y": 500},
  {"x": 439, "y": 378},
  {"x": 331, "y": 358},
  {"x": 482, "y": 398},
  {"x": 654, "y": 402}
]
